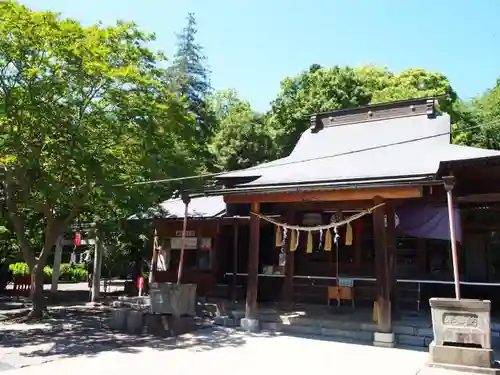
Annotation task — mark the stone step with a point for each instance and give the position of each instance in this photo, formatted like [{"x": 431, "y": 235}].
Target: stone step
[{"x": 311, "y": 330}]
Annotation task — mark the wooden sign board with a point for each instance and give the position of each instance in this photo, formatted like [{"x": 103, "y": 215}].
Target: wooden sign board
[
  {"x": 190, "y": 243},
  {"x": 189, "y": 233}
]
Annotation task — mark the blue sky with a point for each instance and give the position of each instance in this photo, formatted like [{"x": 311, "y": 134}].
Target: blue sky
[{"x": 251, "y": 45}]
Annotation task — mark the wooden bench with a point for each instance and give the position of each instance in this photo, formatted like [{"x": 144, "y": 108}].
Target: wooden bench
[{"x": 344, "y": 291}]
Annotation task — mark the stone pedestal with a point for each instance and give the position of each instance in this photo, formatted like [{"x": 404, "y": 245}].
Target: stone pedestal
[
  {"x": 462, "y": 336},
  {"x": 119, "y": 319},
  {"x": 384, "y": 340},
  {"x": 135, "y": 322},
  {"x": 250, "y": 325},
  {"x": 173, "y": 299}
]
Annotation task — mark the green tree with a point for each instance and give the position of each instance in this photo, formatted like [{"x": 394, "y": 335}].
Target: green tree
[
  {"x": 323, "y": 89},
  {"x": 316, "y": 90},
  {"x": 242, "y": 138},
  {"x": 190, "y": 78},
  {"x": 484, "y": 112},
  {"x": 86, "y": 114}
]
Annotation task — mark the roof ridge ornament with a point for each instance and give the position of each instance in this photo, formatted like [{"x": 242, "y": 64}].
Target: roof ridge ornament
[
  {"x": 430, "y": 109},
  {"x": 316, "y": 124}
]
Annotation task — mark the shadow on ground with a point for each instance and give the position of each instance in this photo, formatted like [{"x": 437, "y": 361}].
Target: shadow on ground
[{"x": 75, "y": 332}]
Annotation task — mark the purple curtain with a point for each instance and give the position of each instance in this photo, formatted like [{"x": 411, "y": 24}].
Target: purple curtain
[{"x": 427, "y": 221}]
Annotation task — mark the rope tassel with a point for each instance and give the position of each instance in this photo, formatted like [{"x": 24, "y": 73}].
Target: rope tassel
[
  {"x": 328, "y": 241},
  {"x": 278, "y": 237},
  {"x": 309, "y": 248},
  {"x": 293, "y": 241},
  {"x": 348, "y": 235}
]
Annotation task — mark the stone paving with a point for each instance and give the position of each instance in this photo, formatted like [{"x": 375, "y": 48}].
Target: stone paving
[
  {"x": 77, "y": 340},
  {"x": 218, "y": 351}
]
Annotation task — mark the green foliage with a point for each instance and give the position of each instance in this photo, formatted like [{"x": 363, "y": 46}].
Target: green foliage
[
  {"x": 69, "y": 272},
  {"x": 242, "y": 138},
  {"x": 19, "y": 269},
  {"x": 485, "y": 111},
  {"x": 323, "y": 89},
  {"x": 72, "y": 272},
  {"x": 316, "y": 90},
  {"x": 189, "y": 77},
  {"x": 86, "y": 112}
]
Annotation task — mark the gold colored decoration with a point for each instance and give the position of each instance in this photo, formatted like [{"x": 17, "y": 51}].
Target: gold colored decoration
[
  {"x": 348, "y": 235},
  {"x": 328, "y": 241},
  {"x": 295, "y": 229},
  {"x": 293, "y": 241},
  {"x": 309, "y": 248},
  {"x": 278, "y": 237}
]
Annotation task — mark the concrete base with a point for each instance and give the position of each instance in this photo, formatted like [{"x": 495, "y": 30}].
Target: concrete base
[
  {"x": 384, "y": 340},
  {"x": 250, "y": 325},
  {"x": 437, "y": 368},
  {"x": 119, "y": 319},
  {"x": 157, "y": 325},
  {"x": 135, "y": 322},
  {"x": 474, "y": 360}
]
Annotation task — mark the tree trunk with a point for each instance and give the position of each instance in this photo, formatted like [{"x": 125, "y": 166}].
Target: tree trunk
[{"x": 36, "y": 292}]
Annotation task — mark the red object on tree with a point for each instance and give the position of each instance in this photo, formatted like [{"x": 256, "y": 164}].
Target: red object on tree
[
  {"x": 140, "y": 282},
  {"x": 78, "y": 239}
]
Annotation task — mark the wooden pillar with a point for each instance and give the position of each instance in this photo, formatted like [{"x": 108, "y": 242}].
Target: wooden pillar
[
  {"x": 56, "y": 270},
  {"x": 96, "y": 277},
  {"x": 287, "y": 290},
  {"x": 253, "y": 263},
  {"x": 382, "y": 269},
  {"x": 236, "y": 231},
  {"x": 391, "y": 247},
  {"x": 186, "y": 199},
  {"x": 358, "y": 245},
  {"x": 449, "y": 183}
]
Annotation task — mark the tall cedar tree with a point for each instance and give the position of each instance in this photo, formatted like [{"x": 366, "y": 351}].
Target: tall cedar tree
[{"x": 190, "y": 78}]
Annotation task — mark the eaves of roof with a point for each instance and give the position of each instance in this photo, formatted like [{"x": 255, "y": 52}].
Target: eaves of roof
[{"x": 327, "y": 185}]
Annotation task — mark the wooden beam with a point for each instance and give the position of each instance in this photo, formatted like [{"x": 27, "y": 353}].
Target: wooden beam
[
  {"x": 329, "y": 196},
  {"x": 253, "y": 264},
  {"x": 479, "y": 198}
]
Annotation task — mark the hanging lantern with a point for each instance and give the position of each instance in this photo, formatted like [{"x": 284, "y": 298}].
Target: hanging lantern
[{"x": 78, "y": 239}]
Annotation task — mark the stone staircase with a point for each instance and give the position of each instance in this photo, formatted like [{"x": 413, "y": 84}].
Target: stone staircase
[
  {"x": 417, "y": 333},
  {"x": 410, "y": 331}
]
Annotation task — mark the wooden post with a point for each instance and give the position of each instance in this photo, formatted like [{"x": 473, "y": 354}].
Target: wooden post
[
  {"x": 236, "y": 231},
  {"x": 96, "y": 277},
  {"x": 287, "y": 289},
  {"x": 382, "y": 269},
  {"x": 154, "y": 258},
  {"x": 391, "y": 248},
  {"x": 358, "y": 242},
  {"x": 186, "y": 200},
  {"x": 56, "y": 270},
  {"x": 449, "y": 184},
  {"x": 253, "y": 263}
]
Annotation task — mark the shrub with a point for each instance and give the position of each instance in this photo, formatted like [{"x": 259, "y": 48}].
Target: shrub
[
  {"x": 19, "y": 269},
  {"x": 69, "y": 272},
  {"x": 73, "y": 272}
]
